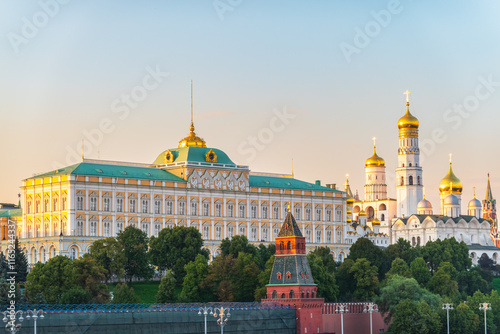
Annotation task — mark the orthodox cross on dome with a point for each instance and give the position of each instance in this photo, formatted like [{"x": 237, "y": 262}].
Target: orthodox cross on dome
[
  {"x": 474, "y": 192},
  {"x": 450, "y": 158},
  {"x": 374, "y": 141},
  {"x": 407, "y": 93}
]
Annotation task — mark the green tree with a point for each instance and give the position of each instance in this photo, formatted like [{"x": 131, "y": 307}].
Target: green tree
[
  {"x": 398, "y": 267},
  {"x": 492, "y": 316},
  {"x": 89, "y": 275},
  {"x": 365, "y": 276},
  {"x": 21, "y": 263},
  {"x": 471, "y": 281},
  {"x": 166, "y": 289},
  {"x": 76, "y": 295},
  {"x": 48, "y": 281},
  {"x": 221, "y": 275},
  {"x": 345, "y": 280},
  {"x": 237, "y": 245},
  {"x": 325, "y": 254},
  {"x": 264, "y": 277},
  {"x": 327, "y": 288},
  {"x": 123, "y": 294},
  {"x": 247, "y": 278},
  {"x": 264, "y": 253},
  {"x": 174, "y": 248},
  {"x": 447, "y": 250},
  {"x": 109, "y": 254},
  {"x": 401, "y": 288},
  {"x": 463, "y": 320},
  {"x": 420, "y": 271},
  {"x": 414, "y": 317},
  {"x": 135, "y": 248},
  {"x": 442, "y": 282},
  {"x": 363, "y": 248},
  {"x": 402, "y": 249},
  {"x": 196, "y": 272}
]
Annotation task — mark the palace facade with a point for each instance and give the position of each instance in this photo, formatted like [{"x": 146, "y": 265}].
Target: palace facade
[{"x": 66, "y": 210}]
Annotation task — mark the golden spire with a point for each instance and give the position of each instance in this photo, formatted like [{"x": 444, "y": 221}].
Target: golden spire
[
  {"x": 450, "y": 178},
  {"x": 474, "y": 192},
  {"x": 374, "y": 160},
  {"x": 192, "y": 139},
  {"x": 408, "y": 120},
  {"x": 83, "y": 150}
]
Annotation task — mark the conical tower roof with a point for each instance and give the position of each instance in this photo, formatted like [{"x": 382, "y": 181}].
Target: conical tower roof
[
  {"x": 289, "y": 227},
  {"x": 489, "y": 195}
]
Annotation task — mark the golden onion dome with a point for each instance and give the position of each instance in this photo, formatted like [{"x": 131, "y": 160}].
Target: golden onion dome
[
  {"x": 450, "y": 180},
  {"x": 349, "y": 212},
  {"x": 375, "y": 160},
  {"x": 408, "y": 121},
  {"x": 375, "y": 222},
  {"x": 362, "y": 213},
  {"x": 192, "y": 139},
  {"x": 349, "y": 220},
  {"x": 350, "y": 201}
]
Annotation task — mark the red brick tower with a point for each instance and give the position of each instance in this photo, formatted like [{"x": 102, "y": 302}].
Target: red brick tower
[{"x": 291, "y": 281}]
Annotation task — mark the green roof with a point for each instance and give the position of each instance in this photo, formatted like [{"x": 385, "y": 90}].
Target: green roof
[
  {"x": 11, "y": 213},
  {"x": 108, "y": 170},
  {"x": 260, "y": 181},
  {"x": 194, "y": 154}
]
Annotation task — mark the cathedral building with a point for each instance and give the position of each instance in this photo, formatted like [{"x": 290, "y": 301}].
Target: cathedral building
[{"x": 64, "y": 211}]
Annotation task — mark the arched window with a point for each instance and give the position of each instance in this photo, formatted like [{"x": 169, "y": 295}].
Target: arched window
[
  {"x": 282, "y": 245},
  {"x": 278, "y": 275},
  {"x": 410, "y": 180},
  {"x": 413, "y": 241},
  {"x": 418, "y": 241},
  {"x": 418, "y": 179},
  {"x": 402, "y": 180},
  {"x": 289, "y": 245},
  {"x": 382, "y": 217},
  {"x": 275, "y": 294},
  {"x": 288, "y": 275},
  {"x": 292, "y": 294},
  {"x": 283, "y": 296},
  {"x": 410, "y": 164}
]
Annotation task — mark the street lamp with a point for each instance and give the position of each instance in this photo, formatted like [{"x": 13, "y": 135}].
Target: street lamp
[
  {"x": 485, "y": 307},
  {"x": 35, "y": 314},
  {"x": 370, "y": 307},
  {"x": 448, "y": 307},
  {"x": 342, "y": 309},
  {"x": 10, "y": 318},
  {"x": 222, "y": 314},
  {"x": 205, "y": 313}
]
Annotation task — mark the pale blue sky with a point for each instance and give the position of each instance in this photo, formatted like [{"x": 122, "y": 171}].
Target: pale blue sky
[{"x": 262, "y": 56}]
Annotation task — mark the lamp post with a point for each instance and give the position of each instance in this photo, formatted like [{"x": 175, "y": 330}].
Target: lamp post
[
  {"x": 342, "y": 309},
  {"x": 35, "y": 314},
  {"x": 448, "y": 307},
  {"x": 205, "y": 313},
  {"x": 222, "y": 314},
  {"x": 485, "y": 307},
  {"x": 9, "y": 317},
  {"x": 370, "y": 307}
]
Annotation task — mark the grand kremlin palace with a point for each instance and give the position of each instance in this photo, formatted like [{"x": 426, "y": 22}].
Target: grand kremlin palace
[{"x": 65, "y": 210}]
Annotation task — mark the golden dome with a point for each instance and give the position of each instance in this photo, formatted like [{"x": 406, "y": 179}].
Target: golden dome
[
  {"x": 192, "y": 139},
  {"x": 375, "y": 160},
  {"x": 350, "y": 201},
  {"x": 408, "y": 121},
  {"x": 362, "y": 213},
  {"x": 375, "y": 222},
  {"x": 450, "y": 179}
]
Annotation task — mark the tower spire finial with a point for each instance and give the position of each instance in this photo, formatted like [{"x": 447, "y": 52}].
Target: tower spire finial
[
  {"x": 407, "y": 93},
  {"x": 192, "y": 124},
  {"x": 83, "y": 150},
  {"x": 374, "y": 142},
  {"x": 450, "y": 158},
  {"x": 474, "y": 192}
]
